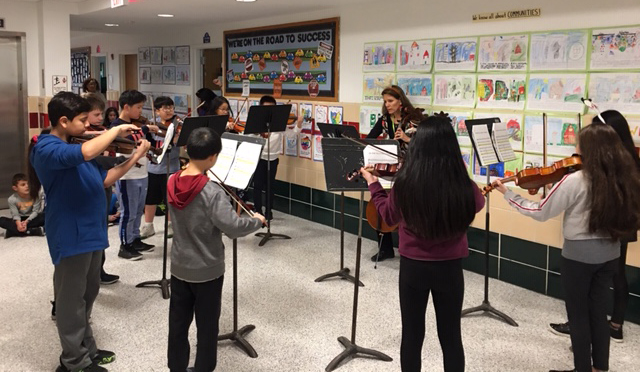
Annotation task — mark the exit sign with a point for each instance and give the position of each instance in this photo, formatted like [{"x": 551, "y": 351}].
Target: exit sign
[
  {"x": 117, "y": 3},
  {"x": 1, "y": 22}
]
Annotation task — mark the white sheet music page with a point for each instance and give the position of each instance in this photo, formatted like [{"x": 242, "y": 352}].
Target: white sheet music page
[
  {"x": 166, "y": 144},
  {"x": 375, "y": 156},
  {"x": 501, "y": 142},
  {"x": 244, "y": 165},
  {"x": 225, "y": 159},
  {"x": 484, "y": 146}
]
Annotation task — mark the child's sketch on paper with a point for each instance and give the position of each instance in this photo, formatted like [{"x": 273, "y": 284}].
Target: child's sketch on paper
[
  {"x": 414, "y": 55},
  {"x": 616, "y": 92},
  {"x": 559, "y": 51},
  {"x": 455, "y": 54},
  {"x": 379, "y": 57},
  {"x": 503, "y": 53},
  {"x": 514, "y": 126},
  {"x": 418, "y": 88},
  {"x": 369, "y": 115},
  {"x": 455, "y": 90},
  {"x": 615, "y": 48},
  {"x": 506, "y": 91},
  {"x": 374, "y": 84},
  {"x": 556, "y": 92}
]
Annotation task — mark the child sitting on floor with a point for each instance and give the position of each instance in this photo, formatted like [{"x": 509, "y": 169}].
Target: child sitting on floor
[{"x": 27, "y": 218}]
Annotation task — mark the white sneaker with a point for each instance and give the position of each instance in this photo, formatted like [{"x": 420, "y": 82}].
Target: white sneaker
[
  {"x": 170, "y": 231},
  {"x": 147, "y": 230}
]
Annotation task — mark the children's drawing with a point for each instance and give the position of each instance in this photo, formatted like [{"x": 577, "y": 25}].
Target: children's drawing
[
  {"x": 417, "y": 87},
  {"x": 560, "y": 50},
  {"x": 169, "y": 75},
  {"x": 634, "y": 126},
  {"x": 168, "y": 55},
  {"x": 514, "y": 126},
  {"x": 144, "y": 57},
  {"x": 455, "y": 54},
  {"x": 156, "y": 75},
  {"x": 182, "y": 75},
  {"x": 305, "y": 145},
  {"x": 321, "y": 114},
  {"x": 306, "y": 110},
  {"x": 466, "y": 157},
  {"x": 291, "y": 143},
  {"x": 379, "y": 57},
  {"x": 374, "y": 84},
  {"x": 501, "y": 91},
  {"x": 156, "y": 55},
  {"x": 533, "y": 136},
  {"x": 414, "y": 55},
  {"x": 496, "y": 171},
  {"x": 458, "y": 122},
  {"x": 616, "y": 92},
  {"x": 503, "y": 53},
  {"x": 317, "y": 147},
  {"x": 562, "y": 136},
  {"x": 556, "y": 92},
  {"x": 369, "y": 115},
  {"x": 183, "y": 55},
  {"x": 335, "y": 115},
  {"x": 455, "y": 90},
  {"x": 615, "y": 49}
]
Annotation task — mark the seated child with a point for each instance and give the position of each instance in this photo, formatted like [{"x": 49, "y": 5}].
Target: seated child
[
  {"x": 27, "y": 217},
  {"x": 201, "y": 213}
]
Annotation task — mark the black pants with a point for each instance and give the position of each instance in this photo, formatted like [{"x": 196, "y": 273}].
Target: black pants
[
  {"x": 445, "y": 282},
  {"x": 260, "y": 184},
  {"x": 620, "y": 288},
  {"x": 108, "y": 192},
  {"x": 203, "y": 299},
  {"x": 387, "y": 242},
  {"x": 10, "y": 224},
  {"x": 586, "y": 291}
]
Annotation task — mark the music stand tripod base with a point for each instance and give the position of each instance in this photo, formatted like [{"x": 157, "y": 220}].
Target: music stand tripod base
[
  {"x": 269, "y": 235},
  {"x": 487, "y": 308},
  {"x": 238, "y": 339},
  {"x": 163, "y": 283},
  {"x": 352, "y": 350},
  {"x": 342, "y": 274}
]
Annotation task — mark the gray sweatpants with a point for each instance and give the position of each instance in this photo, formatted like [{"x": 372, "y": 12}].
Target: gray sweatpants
[{"x": 77, "y": 283}]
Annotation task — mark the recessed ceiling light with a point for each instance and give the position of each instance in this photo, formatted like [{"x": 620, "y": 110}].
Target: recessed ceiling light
[
  {"x": 111, "y": 24},
  {"x": 165, "y": 15}
]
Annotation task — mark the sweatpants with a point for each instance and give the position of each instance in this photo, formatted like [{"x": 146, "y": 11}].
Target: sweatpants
[
  {"x": 445, "y": 281},
  {"x": 131, "y": 196},
  {"x": 9, "y": 224},
  {"x": 586, "y": 293},
  {"x": 76, "y": 285},
  {"x": 203, "y": 299}
]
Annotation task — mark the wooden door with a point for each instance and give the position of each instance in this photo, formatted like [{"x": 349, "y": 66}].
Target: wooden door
[{"x": 131, "y": 71}]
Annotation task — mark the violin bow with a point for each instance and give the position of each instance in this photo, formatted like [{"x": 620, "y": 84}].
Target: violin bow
[
  {"x": 589, "y": 103},
  {"x": 232, "y": 194},
  {"x": 363, "y": 143},
  {"x": 246, "y": 99}
]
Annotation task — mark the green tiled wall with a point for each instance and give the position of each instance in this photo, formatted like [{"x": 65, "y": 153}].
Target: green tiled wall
[{"x": 520, "y": 262}]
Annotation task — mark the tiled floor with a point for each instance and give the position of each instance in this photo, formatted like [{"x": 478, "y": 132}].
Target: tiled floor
[{"x": 297, "y": 320}]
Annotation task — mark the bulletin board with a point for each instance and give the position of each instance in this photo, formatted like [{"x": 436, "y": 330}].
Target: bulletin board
[{"x": 303, "y": 57}]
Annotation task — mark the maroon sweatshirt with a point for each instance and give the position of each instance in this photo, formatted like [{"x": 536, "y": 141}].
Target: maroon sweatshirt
[{"x": 413, "y": 246}]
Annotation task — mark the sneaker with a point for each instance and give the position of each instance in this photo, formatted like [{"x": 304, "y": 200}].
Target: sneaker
[
  {"x": 147, "y": 231},
  {"x": 560, "y": 329},
  {"x": 107, "y": 279},
  {"x": 8, "y": 234},
  {"x": 139, "y": 246},
  {"x": 129, "y": 253},
  {"x": 93, "y": 367},
  {"x": 170, "y": 230},
  {"x": 104, "y": 357},
  {"x": 383, "y": 255},
  {"x": 616, "y": 333},
  {"x": 36, "y": 231},
  {"x": 53, "y": 310}
]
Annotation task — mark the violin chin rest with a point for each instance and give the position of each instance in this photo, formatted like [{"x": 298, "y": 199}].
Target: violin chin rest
[{"x": 533, "y": 191}]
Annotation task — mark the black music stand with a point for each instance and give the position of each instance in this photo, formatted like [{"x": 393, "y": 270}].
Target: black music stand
[
  {"x": 268, "y": 119},
  {"x": 485, "y": 307},
  {"x": 216, "y": 122},
  {"x": 338, "y": 131},
  {"x": 344, "y": 156},
  {"x": 238, "y": 335}
]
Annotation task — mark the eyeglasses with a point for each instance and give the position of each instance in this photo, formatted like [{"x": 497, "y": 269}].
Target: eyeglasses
[{"x": 168, "y": 108}]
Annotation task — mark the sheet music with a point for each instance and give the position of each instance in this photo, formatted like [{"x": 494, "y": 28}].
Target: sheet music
[
  {"x": 484, "y": 147},
  {"x": 244, "y": 165},
  {"x": 168, "y": 137},
  {"x": 375, "y": 156},
  {"x": 225, "y": 159},
  {"x": 500, "y": 138}
]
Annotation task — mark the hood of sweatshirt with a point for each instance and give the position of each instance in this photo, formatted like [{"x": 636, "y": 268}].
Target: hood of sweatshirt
[{"x": 182, "y": 190}]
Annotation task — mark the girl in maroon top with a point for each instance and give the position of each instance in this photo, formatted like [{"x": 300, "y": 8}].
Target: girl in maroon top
[{"x": 433, "y": 201}]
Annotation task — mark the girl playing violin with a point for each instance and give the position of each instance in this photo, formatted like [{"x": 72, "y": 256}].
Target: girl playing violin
[
  {"x": 601, "y": 206},
  {"x": 398, "y": 121},
  {"x": 434, "y": 201},
  {"x": 220, "y": 106}
]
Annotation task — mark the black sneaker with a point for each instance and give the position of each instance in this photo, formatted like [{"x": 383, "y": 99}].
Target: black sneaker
[
  {"x": 382, "y": 255},
  {"x": 104, "y": 357},
  {"x": 560, "y": 329},
  {"x": 616, "y": 333},
  {"x": 93, "y": 367},
  {"x": 36, "y": 231},
  {"x": 129, "y": 253},
  {"x": 141, "y": 246},
  {"x": 107, "y": 279},
  {"x": 8, "y": 234},
  {"x": 53, "y": 310}
]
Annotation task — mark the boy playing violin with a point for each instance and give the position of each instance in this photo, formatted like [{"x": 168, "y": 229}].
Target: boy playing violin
[{"x": 75, "y": 222}]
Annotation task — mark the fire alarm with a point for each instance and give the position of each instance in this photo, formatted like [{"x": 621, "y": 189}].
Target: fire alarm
[{"x": 98, "y": 49}]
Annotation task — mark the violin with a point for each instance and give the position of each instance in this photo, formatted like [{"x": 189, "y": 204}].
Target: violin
[
  {"x": 119, "y": 144},
  {"x": 233, "y": 195},
  {"x": 386, "y": 171},
  {"x": 375, "y": 221},
  {"x": 533, "y": 179}
]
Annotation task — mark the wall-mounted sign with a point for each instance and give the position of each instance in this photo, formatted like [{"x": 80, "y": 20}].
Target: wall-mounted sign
[
  {"x": 60, "y": 84},
  {"x": 508, "y": 14},
  {"x": 1, "y": 22},
  {"x": 117, "y": 3},
  {"x": 206, "y": 39}
]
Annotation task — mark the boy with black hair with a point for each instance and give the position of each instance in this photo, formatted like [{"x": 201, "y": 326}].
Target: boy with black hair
[
  {"x": 131, "y": 189},
  {"x": 201, "y": 213},
  {"x": 27, "y": 218},
  {"x": 157, "y": 191},
  {"x": 75, "y": 223}
]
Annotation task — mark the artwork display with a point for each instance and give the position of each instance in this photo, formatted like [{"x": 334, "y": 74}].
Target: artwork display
[
  {"x": 144, "y": 57},
  {"x": 616, "y": 92},
  {"x": 501, "y": 91},
  {"x": 183, "y": 55},
  {"x": 561, "y": 50},
  {"x": 456, "y": 54},
  {"x": 458, "y": 122},
  {"x": 417, "y": 87},
  {"x": 321, "y": 114},
  {"x": 156, "y": 55},
  {"x": 414, "y": 55},
  {"x": 145, "y": 75},
  {"x": 290, "y": 143},
  {"x": 183, "y": 75},
  {"x": 556, "y": 92},
  {"x": 336, "y": 114},
  {"x": 379, "y": 57},
  {"x": 306, "y": 143},
  {"x": 615, "y": 48},
  {"x": 562, "y": 135},
  {"x": 503, "y": 53},
  {"x": 156, "y": 75},
  {"x": 369, "y": 115},
  {"x": 455, "y": 90},
  {"x": 168, "y": 55},
  {"x": 374, "y": 84},
  {"x": 317, "y": 147},
  {"x": 306, "y": 111},
  {"x": 169, "y": 75}
]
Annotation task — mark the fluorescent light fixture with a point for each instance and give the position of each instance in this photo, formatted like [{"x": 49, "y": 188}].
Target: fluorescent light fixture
[
  {"x": 111, "y": 24},
  {"x": 165, "y": 15},
  {"x": 246, "y": 1}
]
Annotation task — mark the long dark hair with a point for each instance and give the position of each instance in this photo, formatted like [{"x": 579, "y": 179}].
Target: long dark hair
[
  {"x": 34, "y": 181},
  {"x": 106, "y": 123},
  {"x": 207, "y": 96},
  {"x": 215, "y": 105},
  {"x": 620, "y": 125},
  {"x": 433, "y": 189},
  {"x": 614, "y": 184},
  {"x": 409, "y": 113}
]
